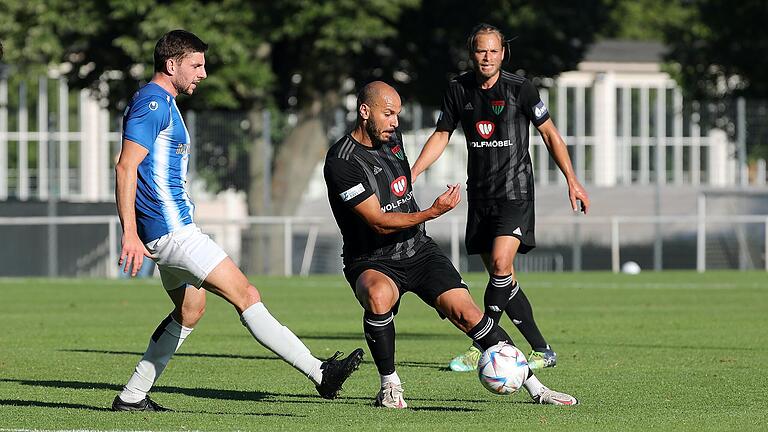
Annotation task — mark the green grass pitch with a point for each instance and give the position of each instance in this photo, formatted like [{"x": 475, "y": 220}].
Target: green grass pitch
[{"x": 656, "y": 351}]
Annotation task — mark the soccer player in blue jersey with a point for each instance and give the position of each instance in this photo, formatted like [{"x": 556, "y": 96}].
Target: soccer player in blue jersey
[{"x": 157, "y": 216}]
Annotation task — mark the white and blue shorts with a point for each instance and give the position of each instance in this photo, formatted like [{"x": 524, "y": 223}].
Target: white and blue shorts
[{"x": 185, "y": 257}]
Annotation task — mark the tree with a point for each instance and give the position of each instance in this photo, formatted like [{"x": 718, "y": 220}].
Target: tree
[{"x": 719, "y": 47}]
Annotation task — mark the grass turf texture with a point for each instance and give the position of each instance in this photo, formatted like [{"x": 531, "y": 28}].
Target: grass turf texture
[{"x": 657, "y": 351}]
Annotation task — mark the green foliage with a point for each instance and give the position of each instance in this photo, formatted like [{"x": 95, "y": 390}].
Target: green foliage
[
  {"x": 645, "y": 20},
  {"x": 719, "y": 47}
]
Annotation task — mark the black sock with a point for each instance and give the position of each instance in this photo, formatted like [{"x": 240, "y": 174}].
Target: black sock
[
  {"x": 380, "y": 335},
  {"x": 487, "y": 333},
  {"x": 497, "y": 294},
  {"x": 520, "y": 312}
]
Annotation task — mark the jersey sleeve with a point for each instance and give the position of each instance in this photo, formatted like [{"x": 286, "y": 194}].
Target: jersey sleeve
[
  {"x": 347, "y": 181},
  {"x": 450, "y": 111},
  {"x": 145, "y": 119},
  {"x": 532, "y": 105}
]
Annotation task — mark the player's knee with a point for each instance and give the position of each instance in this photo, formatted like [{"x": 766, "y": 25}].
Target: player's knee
[
  {"x": 190, "y": 314},
  {"x": 379, "y": 300},
  {"x": 501, "y": 265},
  {"x": 465, "y": 316}
]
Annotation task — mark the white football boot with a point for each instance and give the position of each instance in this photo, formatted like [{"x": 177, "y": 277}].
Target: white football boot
[
  {"x": 390, "y": 396},
  {"x": 551, "y": 397}
]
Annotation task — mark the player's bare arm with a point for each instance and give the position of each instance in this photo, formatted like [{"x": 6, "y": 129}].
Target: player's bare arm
[
  {"x": 557, "y": 148},
  {"x": 388, "y": 223},
  {"x": 133, "y": 250},
  {"x": 433, "y": 148}
]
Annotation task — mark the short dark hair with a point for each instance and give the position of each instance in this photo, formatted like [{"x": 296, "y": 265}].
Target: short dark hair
[
  {"x": 176, "y": 44},
  {"x": 480, "y": 29}
]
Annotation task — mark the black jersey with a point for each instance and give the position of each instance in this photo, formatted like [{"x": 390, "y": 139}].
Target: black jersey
[
  {"x": 495, "y": 123},
  {"x": 354, "y": 172}
]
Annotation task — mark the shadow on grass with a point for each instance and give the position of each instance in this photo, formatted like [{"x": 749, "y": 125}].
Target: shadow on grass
[
  {"x": 415, "y": 364},
  {"x": 40, "y": 404},
  {"x": 236, "y": 395},
  {"x": 200, "y": 355},
  {"x": 194, "y": 392}
]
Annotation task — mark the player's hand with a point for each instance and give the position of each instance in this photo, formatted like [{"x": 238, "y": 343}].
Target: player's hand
[
  {"x": 578, "y": 196},
  {"x": 448, "y": 200},
  {"x": 133, "y": 253},
  {"x": 414, "y": 175}
]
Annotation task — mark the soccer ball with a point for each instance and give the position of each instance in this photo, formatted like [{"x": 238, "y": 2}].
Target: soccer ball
[{"x": 502, "y": 368}]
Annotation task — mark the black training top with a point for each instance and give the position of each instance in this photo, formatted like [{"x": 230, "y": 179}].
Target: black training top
[
  {"x": 495, "y": 122},
  {"x": 354, "y": 172}
]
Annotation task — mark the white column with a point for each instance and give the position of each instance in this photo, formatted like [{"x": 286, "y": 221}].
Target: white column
[
  {"x": 3, "y": 140},
  {"x": 105, "y": 163},
  {"x": 604, "y": 115},
  {"x": 695, "y": 149},
  {"x": 562, "y": 113},
  {"x": 661, "y": 135},
  {"x": 581, "y": 164},
  {"x": 90, "y": 159},
  {"x": 626, "y": 134},
  {"x": 644, "y": 133},
  {"x": 42, "y": 138},
  {"x": 718, "y": 157},
  {"x": 678, "y": 136},
  {"x": 63, "y": 139},
  {"x": 22, "y": 174}
]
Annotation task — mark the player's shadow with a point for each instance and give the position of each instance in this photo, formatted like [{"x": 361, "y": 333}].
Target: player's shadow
[
  {"x": 206, "y": 393},
  {"x": 415, "y": 364},
  {"x": 195, "y": 355},
  {"x": 41, "y": 404},
  {"x": 355, "y": 336}
]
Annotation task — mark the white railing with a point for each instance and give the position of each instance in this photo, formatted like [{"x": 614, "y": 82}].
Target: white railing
[{"x": 602, "y": 231}]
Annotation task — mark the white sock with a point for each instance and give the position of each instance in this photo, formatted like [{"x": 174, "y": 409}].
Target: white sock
[
  {"x": 281, "y": 341},
  {"x": 166, "y": 340},
  {"x": 391, "y": 378},
  {"x": 534, "y": 386}
]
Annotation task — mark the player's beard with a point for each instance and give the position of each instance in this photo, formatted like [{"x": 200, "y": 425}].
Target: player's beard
[
  {"x": 374, "y": 133},
  {"x": 487, "y": 75}
]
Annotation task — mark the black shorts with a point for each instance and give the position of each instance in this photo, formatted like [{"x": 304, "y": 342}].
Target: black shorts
[
  {"x": 487, "y": 220},
  {"x": 427, "y": 274}
]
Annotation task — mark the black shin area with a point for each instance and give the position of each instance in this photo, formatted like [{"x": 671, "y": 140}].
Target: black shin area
[
  {"x": 487, "y": 333},
  {"x": 497, "y": 294},
  {"x": 520, "y": 312},
  {"x": 380, "y": 335}
]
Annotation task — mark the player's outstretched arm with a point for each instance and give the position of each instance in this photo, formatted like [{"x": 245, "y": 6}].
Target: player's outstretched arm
[
  {"x": 556, "y": 147},
  {"x": 388, "y": 223},
  {"x": 432, "y": 150},
  {"x": 133, "y": 250}
]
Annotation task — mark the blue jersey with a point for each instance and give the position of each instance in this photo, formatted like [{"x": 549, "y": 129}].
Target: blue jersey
[{"x": 153, "y": 121}]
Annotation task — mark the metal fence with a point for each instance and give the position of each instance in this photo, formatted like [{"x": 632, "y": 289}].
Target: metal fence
[{"x": 88, "y": 246}]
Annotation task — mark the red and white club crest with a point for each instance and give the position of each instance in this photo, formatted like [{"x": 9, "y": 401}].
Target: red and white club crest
[
  {"x": 399, "y": 185},
  {"x": 485, "y": 128}
]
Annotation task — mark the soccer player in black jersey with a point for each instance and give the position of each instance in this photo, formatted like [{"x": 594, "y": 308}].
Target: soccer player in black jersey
[
  {"x": 495, "y": 108},
  {"x": 386, "y": 250}
]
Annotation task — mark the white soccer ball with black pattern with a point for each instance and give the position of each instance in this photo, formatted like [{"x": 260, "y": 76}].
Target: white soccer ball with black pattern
[{"x": 502, "y": 368}]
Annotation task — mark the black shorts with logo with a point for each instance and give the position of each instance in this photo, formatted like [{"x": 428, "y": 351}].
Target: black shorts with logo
[
  {"x": 427, "y": 274},
  {"x": 487, "y": 220}
]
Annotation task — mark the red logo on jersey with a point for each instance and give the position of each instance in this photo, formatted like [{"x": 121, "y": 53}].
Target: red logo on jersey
[
  {"x": 399, "y": 185},
  {"x": 398, "y": 151},
  {"x": 485, "y": 128}
]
